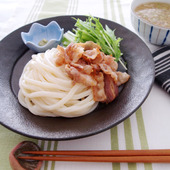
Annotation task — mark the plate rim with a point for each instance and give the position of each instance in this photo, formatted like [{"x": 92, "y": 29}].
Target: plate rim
[{"x": 90, "y": 133}]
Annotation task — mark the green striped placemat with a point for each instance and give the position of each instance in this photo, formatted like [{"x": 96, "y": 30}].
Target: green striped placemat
[{"x": 121, "y": 135}]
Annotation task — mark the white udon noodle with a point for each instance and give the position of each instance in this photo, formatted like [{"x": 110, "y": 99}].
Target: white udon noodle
[{"x": 47, "y": 90}]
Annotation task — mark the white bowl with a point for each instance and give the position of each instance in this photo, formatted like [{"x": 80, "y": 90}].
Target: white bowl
[{"x": 151, "y": 33}]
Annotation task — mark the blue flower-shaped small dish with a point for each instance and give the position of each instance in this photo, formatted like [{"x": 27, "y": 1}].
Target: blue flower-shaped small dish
[{"x": 50, "y": 35}]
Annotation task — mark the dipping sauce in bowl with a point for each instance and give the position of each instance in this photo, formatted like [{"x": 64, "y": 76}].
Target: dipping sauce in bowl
[
  {"x": 151, "y": 20},
  {"x": 156, "y": 13}
]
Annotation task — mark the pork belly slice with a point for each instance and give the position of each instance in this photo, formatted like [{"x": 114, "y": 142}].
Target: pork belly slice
[
  {"x": 107, "y": 70},
  {"x": 83, "y": 66},
  {"x": 80, "y": 77},
  {"x": 91, "y": 54},
  {"x": 123, "y": 77},
  {"x": 111, "y": 89},
  {"x": 98, "y": 90},
  {"x": 89, "y": 45},
  {"x": 60, "y": 56},
  {"x": 73, "y": 53},
  {"x": 110, "y": 61}
]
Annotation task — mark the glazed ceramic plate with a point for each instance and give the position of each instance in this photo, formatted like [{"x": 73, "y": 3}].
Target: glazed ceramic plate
[{"x": 13, "y": 57}]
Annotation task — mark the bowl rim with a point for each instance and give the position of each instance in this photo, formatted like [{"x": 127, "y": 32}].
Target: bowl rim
[
  {"x": 50, "y": 42},
  {"x": 143, "y": 20}
]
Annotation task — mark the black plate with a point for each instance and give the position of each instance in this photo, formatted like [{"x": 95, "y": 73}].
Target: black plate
[{"x": 13, "y": 57}]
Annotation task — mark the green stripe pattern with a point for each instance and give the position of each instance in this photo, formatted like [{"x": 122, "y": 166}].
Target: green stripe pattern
[
  {"x": 50, "y": 8},
  {"x": 115, "y": 145},
  {"x": 48, "y": 145},
  {"x": 142, "y": 135},
  {"x": 129, "y": 139},
  {"x": 128, "y": 136},
  {"x": 12, "y": 139}
]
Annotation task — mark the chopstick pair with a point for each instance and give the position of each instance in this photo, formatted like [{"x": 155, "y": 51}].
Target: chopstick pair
[{"x": 142, "y": 156}]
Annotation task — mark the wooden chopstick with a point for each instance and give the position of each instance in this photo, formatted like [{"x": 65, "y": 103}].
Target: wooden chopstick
[
  {"x": 161, "y": 156},
  {"x": 141, "y": 159},
  {"x": 152, "y": 152}
]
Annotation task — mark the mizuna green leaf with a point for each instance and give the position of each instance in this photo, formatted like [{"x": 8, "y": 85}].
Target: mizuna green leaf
[{"x": 93, "y": 30}]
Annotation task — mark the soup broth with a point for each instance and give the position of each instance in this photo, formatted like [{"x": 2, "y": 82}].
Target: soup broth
[{"x": 156, "y": 13}]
